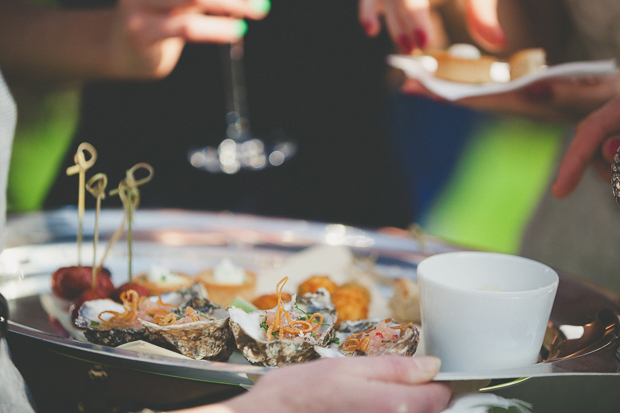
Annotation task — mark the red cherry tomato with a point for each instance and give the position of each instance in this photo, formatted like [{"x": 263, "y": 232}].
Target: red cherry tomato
[
  {"x": 86, "y": 295},
  {"x": 70, "y": 282}
]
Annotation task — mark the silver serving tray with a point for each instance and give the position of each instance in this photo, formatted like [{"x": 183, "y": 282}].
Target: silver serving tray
[{"x": 582, "y": 337}]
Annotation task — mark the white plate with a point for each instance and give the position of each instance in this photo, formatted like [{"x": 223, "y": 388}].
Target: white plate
[{"x": 421, "y": 68}]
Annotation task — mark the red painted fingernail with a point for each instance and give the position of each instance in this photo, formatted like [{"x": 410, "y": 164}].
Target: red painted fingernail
[
  {"x": 540, "y": 92},
  {"x": 421, "y": 38},
  {"x": 611, "y": 147},
  {"x": 367, "y": 25},
  {"x": 405, "y": 44}
]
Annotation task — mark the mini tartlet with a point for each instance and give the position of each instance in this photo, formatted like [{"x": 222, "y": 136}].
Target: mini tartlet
[
  {"x": 227, "y": 281},
  {"x": 463, "y": 63},
  {"x": 159, "y": 280}
]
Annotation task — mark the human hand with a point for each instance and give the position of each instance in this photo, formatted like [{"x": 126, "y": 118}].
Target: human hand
[
  {"x": 559, "y": 99},
  {"x": 596, "y": 141},
  {"x": 410, "y": 22},
  {"x": 353, "y": 384},
  {"x": 148, "y": 36}
]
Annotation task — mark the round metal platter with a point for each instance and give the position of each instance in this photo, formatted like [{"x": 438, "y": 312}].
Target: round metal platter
[{"x": 582, "y": 336}]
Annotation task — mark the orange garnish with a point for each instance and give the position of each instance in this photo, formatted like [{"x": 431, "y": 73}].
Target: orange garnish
[
  {"x": 170, "y": 318},
  {"x": 165, "y": 320},
  {"x": 278, "y": 326},
  {"x": 130, "y": 304},
  {"x": 160, "y": 302},
  {"x": 192, "y": 313},
  {"x": 355, "y": 342},
  {"x": 162, "y": 311}
]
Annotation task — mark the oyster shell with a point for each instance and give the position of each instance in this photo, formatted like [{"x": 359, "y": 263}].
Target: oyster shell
[
  {"x": 404, "y": 343},
  {"x": 96, "y": 331},
  {"x": 195, "y": 296},
  {"x": 209, "y": 338},
  {"x": 252, "y": 340}
]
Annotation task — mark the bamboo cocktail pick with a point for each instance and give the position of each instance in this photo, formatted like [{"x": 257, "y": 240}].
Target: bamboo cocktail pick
[
  {"x": 130, "y": 197},
  {"x": 81, "y": 166},
  {"x": 96, "y": 186}
]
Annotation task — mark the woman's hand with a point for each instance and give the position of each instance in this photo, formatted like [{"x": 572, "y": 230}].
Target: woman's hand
[
  {"x": 135, "y": 39},
  {"x": 147, "y": 36},
  {"x": 563, "y": 99},
  {"x": 411, "y": 25},
  {"x": 408, "y": 21},
  {"x": 596, "y": 141},
  {"x": 361, "y": 384}
]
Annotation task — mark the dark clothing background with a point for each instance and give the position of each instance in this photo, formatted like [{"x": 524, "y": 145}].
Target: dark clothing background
[{"x": 311, "y": 72}]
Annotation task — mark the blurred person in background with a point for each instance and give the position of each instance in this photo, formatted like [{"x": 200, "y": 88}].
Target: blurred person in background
[
  {"x": 49, "y": 51},
  {"x": 312, "y": 76},
  {"x": 573, "y": 226}
]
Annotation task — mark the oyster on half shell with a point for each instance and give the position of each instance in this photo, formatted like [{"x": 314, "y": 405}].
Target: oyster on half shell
[
  {"x": 207, "y": 338},
  {"x": 250, "y": 331},
  {"x": 379, "y": 336},
  {"x": 97, "y": 332},
  {"x": 93, "y": 314}
]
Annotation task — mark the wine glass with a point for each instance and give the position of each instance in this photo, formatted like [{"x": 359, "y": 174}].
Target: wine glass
[{"x": 240, "y": 150}]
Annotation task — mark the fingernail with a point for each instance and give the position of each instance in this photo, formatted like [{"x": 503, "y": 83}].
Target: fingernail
[
  {"x": 261, "y": 6},
  {"x": 241, "y": 27},
  {"x": 611, "y": 147},
  {"x": 540, "y": 92},
  {"x": 429, "y": 364},
  {"x": 405, "y": 44},
  {"x": 421, "y": 38},
  {"x": 367, "y": 25}
]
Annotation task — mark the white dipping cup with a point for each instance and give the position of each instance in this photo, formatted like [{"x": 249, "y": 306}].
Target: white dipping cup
[{"x": 484, "y": 311}]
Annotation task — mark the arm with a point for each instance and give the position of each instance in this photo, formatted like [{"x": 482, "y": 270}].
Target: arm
[
  {"x": 384, "y": 383},
  {"x": 135, "y": 39}
]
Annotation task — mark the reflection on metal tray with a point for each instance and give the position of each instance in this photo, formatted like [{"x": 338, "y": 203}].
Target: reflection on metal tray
[{"x": 582, "y": 337}]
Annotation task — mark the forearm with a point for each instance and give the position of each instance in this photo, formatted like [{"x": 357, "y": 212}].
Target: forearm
[{"x": 46, "y": 45}]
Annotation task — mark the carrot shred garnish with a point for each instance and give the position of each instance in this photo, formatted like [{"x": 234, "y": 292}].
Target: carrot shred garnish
[
  {"x": 165, "y": 320},
  {"x": 192, "y": 313},
  {"x": 351, "y": 344},
  {"x": 364, "y": 344},
  {"x": 355, "y": 342},
  {"x": 130, "y": 301},
  {"x": 278, "y": 325},
  {"x": 160, "y": 302},
  {"x": 402, "y": 326}
]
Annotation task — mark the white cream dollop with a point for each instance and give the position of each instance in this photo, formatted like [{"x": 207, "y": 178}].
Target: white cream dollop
[
  {"x": 158, "y": 273},
  {"x": 226, "y": 272},
  {"x": 464, "y": 51}
]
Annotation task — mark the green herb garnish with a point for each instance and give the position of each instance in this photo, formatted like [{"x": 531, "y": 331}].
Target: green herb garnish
[
  {"x": 264, "y": 324},
  {"x": 94, "y": 323},
  {"x": 301, "y": 310}
]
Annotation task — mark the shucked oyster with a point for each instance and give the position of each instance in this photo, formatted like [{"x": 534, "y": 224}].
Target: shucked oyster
[
  {"x": 109, "y": 323},
  {"x": 286, "y": 334},
  {"x": 196, "y": 334},
  {"x": 95, "y": 317},
  {"x": 371, "y": 338}
]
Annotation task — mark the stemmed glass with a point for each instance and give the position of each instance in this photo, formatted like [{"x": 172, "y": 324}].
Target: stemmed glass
[{"x": 240, "y": 150}]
